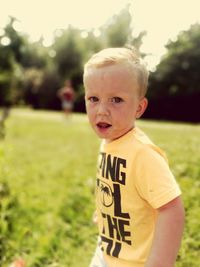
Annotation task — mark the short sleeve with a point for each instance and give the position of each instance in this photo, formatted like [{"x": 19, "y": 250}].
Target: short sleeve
[{"x": 154, "y": 181}]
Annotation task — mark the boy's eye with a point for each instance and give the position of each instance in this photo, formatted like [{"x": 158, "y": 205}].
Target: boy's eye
[
  {"x": 116, "y": 100},
  {"x": 93, "y": 99}
]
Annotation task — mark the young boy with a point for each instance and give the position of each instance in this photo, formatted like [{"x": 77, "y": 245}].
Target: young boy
[{"x": 140, "y": 215}]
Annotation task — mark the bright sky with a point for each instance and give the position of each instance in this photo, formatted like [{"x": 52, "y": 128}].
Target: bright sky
[{"x": 162, "y": 19}]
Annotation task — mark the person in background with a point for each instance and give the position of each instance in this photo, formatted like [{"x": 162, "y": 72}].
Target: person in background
[{"x": 67, "y": 97}]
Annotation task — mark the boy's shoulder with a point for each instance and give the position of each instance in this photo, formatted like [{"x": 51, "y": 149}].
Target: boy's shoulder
[
  {"x": 132, "y": 144},
  {"x": 145, "y": 144}
]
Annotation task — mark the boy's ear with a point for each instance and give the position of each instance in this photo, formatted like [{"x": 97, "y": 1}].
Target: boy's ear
[{"x": 141, "y": 107}]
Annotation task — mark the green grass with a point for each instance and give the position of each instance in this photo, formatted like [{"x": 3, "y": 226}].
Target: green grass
[{"x": 47, "y": 177}]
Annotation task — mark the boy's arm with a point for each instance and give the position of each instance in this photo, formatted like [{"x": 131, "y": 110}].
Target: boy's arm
[{"x": 168, "y": 234}]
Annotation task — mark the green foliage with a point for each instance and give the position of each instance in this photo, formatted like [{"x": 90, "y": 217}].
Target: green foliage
[
  {"x": 175, "y": 84},
  {"x": 15, "y": 56},
  {"x": 6, "y": 68},
  {"x": 64, "y": 59},
  {"x": 4, "y": 87},
  {"x": 8, "y": 212},
  {"x": 40, "y": 88},
  {"x": 50, "y": 196},
  {"x": 68, "y": 56},
  {"x": 184, "y": 57},
  {"x": 118, "y": 31},
  {"x": 11, "y": 54},
  {"x": 47, "y": 178},
  {"x": 179, "y": 67},
  {"x": 34, "y": 55},
  {"x": 16, "y": 40}
]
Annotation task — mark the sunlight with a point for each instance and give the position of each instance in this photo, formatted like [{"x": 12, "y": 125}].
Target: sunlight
[{"x": 161, "y": 20}]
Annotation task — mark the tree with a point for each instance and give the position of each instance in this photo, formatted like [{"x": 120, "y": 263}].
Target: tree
[
  {"x": 6, "y": 68},
  {"x": 38, "y": 72},
  {"x": 118, "y": 31},
  {"x": 74, "y": 47},
  {"x": 68, "y": 54},
  {"x": 175, "y": 84},
  {"x": 11, "y": 47},
  {"x": 34, "y": 55}
]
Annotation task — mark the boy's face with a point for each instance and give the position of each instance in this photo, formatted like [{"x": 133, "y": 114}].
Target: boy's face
[{"x": 112, "y": 101}]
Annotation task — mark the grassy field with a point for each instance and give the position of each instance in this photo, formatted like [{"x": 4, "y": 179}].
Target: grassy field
[{"x": 47, "y": 177}]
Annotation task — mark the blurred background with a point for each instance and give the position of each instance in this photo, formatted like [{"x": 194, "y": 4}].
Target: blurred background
[
  {"x": 47, "y": 160},
  {"x": 44, "y": 43}
]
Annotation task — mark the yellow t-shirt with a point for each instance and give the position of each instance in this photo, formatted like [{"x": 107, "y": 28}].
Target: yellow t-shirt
[{"x": 133, "y": 180}]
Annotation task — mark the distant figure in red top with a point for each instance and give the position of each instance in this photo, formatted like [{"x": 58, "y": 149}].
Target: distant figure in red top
[{"x": 67, "y": 96}]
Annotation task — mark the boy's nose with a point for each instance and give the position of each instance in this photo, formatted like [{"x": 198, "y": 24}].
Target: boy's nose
[{"x": 102, "y": 109}]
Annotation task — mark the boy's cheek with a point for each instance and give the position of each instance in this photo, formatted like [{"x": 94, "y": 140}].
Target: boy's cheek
[{"x": 88, "y": 108}]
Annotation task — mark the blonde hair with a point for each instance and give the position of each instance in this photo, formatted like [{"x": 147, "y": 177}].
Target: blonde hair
[{"x": 120, "y": 56}]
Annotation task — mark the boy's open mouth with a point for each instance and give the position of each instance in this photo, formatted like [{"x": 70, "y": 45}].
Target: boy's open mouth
[{"x": 103, "y": 125}]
